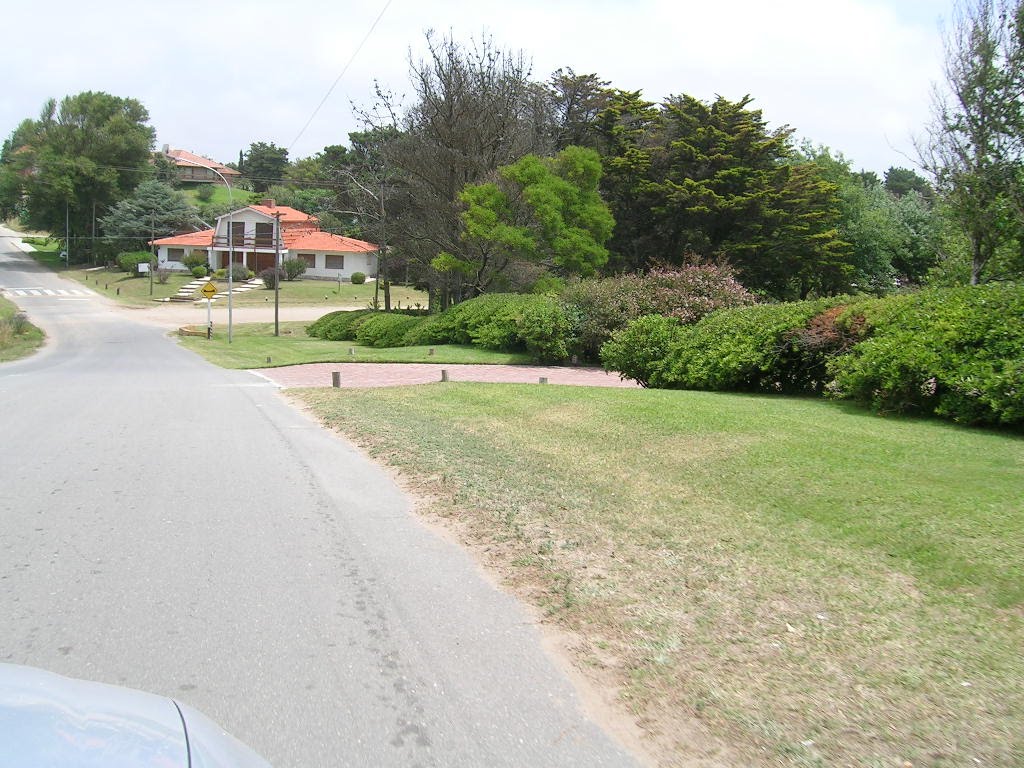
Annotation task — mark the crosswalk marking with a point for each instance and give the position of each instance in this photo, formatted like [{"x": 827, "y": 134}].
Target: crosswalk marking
[{"x": 33, "y": 292}]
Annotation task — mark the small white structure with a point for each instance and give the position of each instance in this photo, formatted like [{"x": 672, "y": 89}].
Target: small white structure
[{"x": 255, "y": 231}]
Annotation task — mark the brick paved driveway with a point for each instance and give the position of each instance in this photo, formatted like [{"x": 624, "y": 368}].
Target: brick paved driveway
[{"x": 397, "y": 374}]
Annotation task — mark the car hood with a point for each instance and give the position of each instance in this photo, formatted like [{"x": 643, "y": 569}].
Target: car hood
[{"x": 50, "y": 720}]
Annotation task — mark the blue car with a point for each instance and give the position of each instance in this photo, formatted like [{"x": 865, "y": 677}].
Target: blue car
[{"x": 51, "y": 721}]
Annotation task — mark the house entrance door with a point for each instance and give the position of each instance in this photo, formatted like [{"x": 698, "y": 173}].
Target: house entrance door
[{"x": 264, "y": 261}]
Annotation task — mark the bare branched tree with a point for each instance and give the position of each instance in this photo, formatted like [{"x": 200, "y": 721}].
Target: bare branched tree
[
  {"x": 473, "y": 110},
  {"x": 973, "y": 148}
]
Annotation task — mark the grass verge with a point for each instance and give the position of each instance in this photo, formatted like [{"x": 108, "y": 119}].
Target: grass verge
[
  {"x": 253, "y": 343},
  {"x": 327, "y": 292},
  {"x": 129, "y": 289},
  {"x": 816, "y": 586},
  {"x": 14, "y": 345}
]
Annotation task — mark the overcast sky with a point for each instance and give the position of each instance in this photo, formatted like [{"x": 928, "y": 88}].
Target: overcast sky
[{"x": 218, "y": 75}]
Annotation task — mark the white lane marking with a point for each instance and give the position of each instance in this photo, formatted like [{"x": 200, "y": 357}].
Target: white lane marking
[{"x": 37, "y": 292}]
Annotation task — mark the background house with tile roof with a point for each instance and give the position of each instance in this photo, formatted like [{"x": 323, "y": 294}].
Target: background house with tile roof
[
  {"x": 253, "y": 241},
  {"x": 191, "y": 167}
]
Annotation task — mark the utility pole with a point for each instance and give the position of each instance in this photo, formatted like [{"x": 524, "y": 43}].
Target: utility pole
[
  {"x": 67, "y": 233},
  {"x": 152, "y": 248},
  {"x": 277, "y": 271}
]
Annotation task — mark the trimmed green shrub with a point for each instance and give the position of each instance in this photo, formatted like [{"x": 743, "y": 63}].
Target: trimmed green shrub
[
  {"x": 194, "y": 259},
  {"x": 638, "y": 350},
  {"x": 954, "y": 352},
  {"x": 503, "y": 321},
  {"x": 430, "y": 331},
  {"x": 315, "y": 329},
  {"x": 358, "y": 278},
  {"x": 240, "y": 273},
  {"x": 544, "y": 330},
  {"x": 385, "y": 329},
  {"x": 293, "y": 268},
  {"x": 748, "y": 349},
  {"x": 340, "y": 325},
  {"x": 199, "y": 271},
  {"x": 129, "y": 261}
]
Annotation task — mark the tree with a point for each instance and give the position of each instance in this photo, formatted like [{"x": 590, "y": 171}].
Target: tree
[
  {"x": 628, "y": 129},
  {"x": 154, "y": 209},
  {"x": 85, "y": 155},
  {"x": 973, "y": 148},
  {"x": 542, "y": 210},
  {"x": 265, "y": 164},
  {"x": 577, "y": 101},
  {"x": 474, "y": 110},
  {"x": 903, "y": 181}
]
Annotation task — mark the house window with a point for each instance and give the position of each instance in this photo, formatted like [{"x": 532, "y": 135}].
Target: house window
[
  {"x": 264, "y": 235},
  {"x": 335, "y": 261},
  {"x": 238, "y": 233},
  {"x": 175, "y": 254},
  {"x": 309, "y": 259}
]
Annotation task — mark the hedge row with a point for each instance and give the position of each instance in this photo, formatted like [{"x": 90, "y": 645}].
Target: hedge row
[
  {"x": 957, "y": 353},
  {"x": 339, "y": 326},
  {"x": 507, "y": 322},
  {"x": 598, "y": 308},
  {"x": 502, "y": 321}
]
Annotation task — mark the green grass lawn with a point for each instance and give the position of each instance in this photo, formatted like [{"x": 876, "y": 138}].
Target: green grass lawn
[
  {"x": 253, "y": 343},
  {"x": 816, "y": 585},
  {"x": 239, "y": 197},
  {"x": 15, "y": 345},
  {"x": 130, "y": 289},
  {"x": 327, "y": 292},
  {"x": 44, "y": 244}
]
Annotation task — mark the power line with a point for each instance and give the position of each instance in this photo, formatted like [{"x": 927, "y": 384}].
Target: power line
[{"x": 343, "y": 71}]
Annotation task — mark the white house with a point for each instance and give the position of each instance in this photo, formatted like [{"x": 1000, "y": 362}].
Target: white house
[{"x": 255, "y": 230}]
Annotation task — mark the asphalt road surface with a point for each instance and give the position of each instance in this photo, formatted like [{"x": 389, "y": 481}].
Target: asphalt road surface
[{"x": 174, "y": 527}]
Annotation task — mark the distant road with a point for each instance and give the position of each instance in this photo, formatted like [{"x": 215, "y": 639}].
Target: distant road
[{"x": 176, "y": 527}]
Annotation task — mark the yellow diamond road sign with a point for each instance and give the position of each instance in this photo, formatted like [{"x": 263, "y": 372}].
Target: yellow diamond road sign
[{"x": 208, "y": 290}]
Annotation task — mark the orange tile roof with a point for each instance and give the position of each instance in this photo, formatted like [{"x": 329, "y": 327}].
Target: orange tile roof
[
  {"x": 318, "y": 240},
  {"x": 204, "y": 239},
  {"x": 188, "y": 159},
  {"x": 288, "y": 215},
  {"x": 299, "y": 239}
]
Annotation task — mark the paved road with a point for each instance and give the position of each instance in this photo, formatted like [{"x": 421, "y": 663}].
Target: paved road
[{"x": 175, "y": 527}]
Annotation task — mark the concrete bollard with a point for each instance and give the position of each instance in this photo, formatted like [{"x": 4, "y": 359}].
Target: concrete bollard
[
  {"x": 336, "y": 379},
  {"x": 351, "y": 350},
  {"x": 543, "y": 379},
  {"x": 444, "y": 375}
]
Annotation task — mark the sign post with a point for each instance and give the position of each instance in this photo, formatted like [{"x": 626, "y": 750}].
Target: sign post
[{"x": 208, "y": 291}]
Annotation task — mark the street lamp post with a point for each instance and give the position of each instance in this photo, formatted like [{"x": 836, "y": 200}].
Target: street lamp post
[{"x": 231, "y": 246}]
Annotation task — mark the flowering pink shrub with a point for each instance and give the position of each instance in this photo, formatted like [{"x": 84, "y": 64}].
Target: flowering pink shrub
[{"x": 601, "y": 307}]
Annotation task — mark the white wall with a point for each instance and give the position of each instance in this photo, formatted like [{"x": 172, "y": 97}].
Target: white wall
[
  {"x": 354, "y": 262},
  {"x": 163, "y": 257}
]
